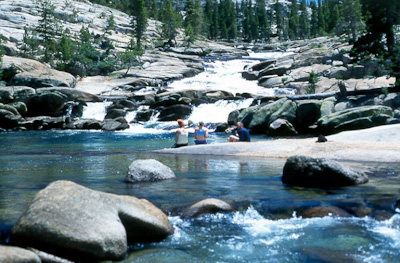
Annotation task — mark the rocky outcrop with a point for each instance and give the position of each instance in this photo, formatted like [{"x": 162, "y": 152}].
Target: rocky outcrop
[
  {"x": 27, "y": 72},
  {"x": 116, "y": 124},
  {"x": 148, "y": 171},
  {"x": 10, "y": 254},
  {"x": 207, "y": 206},
  {"x": 15, "y": 93},
  {"x": 72, "y": 94},
  {"x": 175, "y": 112},
  {"x": 319, "y": 172},
  {"x": 315, "y": 115},
  {"x": 355, "y": 118},
  {"x": 281, "y": 127},
  {"x": 74, "y": 222},
  {"x": 325, "y": 58}
]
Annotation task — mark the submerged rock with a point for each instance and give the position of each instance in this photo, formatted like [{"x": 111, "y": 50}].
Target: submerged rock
[
  {"x": 319, "y": 172},
  {"x": 322, "y": 211},
  {"x": 77, "y": 223},
  {"x": 208, "y": 206},
  {"x": 148, "y": 170}
]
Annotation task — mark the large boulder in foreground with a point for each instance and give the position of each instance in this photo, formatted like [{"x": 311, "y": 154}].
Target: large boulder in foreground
[
  {"x": 207, "y": 206},
  {"x": 9, "y": 254},
  {"x": 148, "y": 171},
  {"x": 319, "y": 172},
  {"x": 74, "y": 222}
]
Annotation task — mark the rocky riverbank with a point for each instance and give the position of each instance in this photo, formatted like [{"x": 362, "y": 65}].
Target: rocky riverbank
[
  {"x": 37, "y": 97},
  {"x": 379, "y": 144}
]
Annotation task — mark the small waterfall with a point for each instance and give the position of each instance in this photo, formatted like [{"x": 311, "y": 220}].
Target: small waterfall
[
  {"x": 218, "y": 111},
  {"x": 226, "y": 75},
  {"x": 219, "y": 75},
  {"x": 95, "y": 110}
]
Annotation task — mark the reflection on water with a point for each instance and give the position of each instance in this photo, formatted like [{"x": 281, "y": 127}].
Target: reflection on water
[{"x": 266, "y": 228}]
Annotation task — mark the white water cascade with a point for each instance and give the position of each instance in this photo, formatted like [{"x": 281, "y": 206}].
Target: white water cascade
[
  {"x": 218, "y": 75},
  {"x": 226, "y": 75},
  {"x": 95, "y": 110}
]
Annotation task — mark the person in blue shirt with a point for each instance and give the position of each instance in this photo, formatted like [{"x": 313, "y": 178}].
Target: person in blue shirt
[
  {"x": 201, "y": 134},
  {"x": 242, "y": 134}
]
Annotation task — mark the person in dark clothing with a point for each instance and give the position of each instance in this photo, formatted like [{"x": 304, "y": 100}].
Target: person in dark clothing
[{"x": 242, "y": 134}]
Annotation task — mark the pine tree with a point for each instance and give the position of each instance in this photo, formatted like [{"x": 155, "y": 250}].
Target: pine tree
[
  {"x": 86, "y": 54},
  {"x": 48, "y": 28},
  {"x": 245, "y": 20},
  {"x": 227, "y": 22},
  {"x": 252, "y": 22},
  {"x": 293, "y": 20},
  {"x": 280, "y": 21},
  {"x": 314, "y": 32},
  {"x": 152, "y": 8},
  {"x": 263, "y": 24},
  {"x": 30, "y": 44},
  {"x": 214, "y": 27},
  {"x": 130, "y": 56},
  {"x": 66, "y": 50},
  {"x": 352, "y": 15},
  {"x": 139, "y": 21},
  {"x": 193, "y": 19},
  {"x": 304, "y": 22},
  {"x": 380, "y": 39},
  {"x": 321, "y": 19},
  {"x": 231, "y": 21},
  {"x": 171, "y": 21}
]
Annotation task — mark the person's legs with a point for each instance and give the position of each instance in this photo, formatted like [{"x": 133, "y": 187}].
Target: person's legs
[{"x": 233, "y": 138}]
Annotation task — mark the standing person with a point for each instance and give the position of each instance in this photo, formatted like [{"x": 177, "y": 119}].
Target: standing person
[
  {"x": 200, "y": 134},
  {"x": 242, "y": 134},
  {"x": 181, "y": 135}
]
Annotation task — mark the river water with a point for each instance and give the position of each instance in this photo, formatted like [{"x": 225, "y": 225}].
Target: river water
[{"x": 267, "y": 226}]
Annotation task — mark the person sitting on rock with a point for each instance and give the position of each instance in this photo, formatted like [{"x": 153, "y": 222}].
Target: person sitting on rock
[
  {"x": 200, "y": 134},
  {"x": 242, "y": 134},
  {"x": 181, "y": 135}
]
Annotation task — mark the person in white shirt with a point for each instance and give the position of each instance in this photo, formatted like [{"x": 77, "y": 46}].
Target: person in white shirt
[{"x": 181, "y": 135}]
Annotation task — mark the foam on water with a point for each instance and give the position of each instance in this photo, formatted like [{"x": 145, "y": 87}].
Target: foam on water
[
  {"x": 95, "y": 110},
  {"x": 226, "y": 75},
  {"x": 218, "y": 111},
  {"x": 250, "y": 236}
]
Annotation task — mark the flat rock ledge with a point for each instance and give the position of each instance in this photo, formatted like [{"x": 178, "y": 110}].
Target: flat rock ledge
[
  {"x": 378, "y": 144},
  {"x": 77, "y": 223}
]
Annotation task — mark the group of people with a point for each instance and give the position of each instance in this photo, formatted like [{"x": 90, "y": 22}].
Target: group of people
[{"x": 201, "y": 134}]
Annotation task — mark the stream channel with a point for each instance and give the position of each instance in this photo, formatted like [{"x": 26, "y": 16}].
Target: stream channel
[{"x": 267, "y": 226}]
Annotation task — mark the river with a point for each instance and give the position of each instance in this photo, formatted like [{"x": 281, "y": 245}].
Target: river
[{"x": 267, "y": 226}]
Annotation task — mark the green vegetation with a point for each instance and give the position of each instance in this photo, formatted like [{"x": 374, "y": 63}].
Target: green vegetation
[
  {"x": 139, "y": 20},
  {"x": 380, "y": 40},
  {"x": 367, "y": 23},
  {"x": 312, "y": 80}
]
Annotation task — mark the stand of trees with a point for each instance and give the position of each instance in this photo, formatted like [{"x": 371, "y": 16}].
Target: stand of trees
[
  {"x": 367, "y": 23},
  {"x": 381, "y": 18}
]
